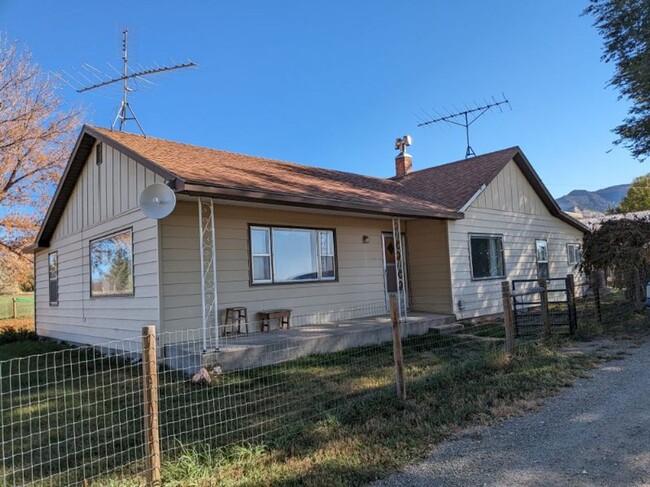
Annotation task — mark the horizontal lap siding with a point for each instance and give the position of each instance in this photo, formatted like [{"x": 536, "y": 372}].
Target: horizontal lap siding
[
  {"x": 511, "y": 207},
  {"x": 428, "y": 259},
  {"x": 104, "y": 200},
  {"x": 360, "y": 266}
]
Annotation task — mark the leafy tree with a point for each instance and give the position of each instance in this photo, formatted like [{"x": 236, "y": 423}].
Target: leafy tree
[
  {"x": 625, "y": 28},
  {"x": 620, "y": 247},
  {"x": 119, "y": 274},
  {"x": 36, "y": 136},
  {"x": 637, "y": 197}
]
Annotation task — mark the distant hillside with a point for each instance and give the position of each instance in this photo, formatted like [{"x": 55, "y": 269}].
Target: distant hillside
[{"x": 593, "y": 202}]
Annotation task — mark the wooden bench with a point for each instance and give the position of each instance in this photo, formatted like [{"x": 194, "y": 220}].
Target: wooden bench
[
  {"x": 235, "y": 316},
  {"x": 282, "y": 315}
]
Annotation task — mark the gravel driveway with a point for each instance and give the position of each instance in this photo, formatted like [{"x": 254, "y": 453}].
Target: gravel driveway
[{"x": 596, "y": 433}]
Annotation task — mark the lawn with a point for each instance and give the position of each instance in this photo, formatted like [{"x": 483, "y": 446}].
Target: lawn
[
  {"x": 24, "y": 306},
  {"x": 324, "y": 420}
]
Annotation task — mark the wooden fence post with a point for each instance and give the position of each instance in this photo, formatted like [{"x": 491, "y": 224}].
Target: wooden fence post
[
  {"x": 15, "y": 307},
  {"x": 397, "y": 350},
  {"x": 150, "y": 394},
  {"x": 546, "y": 318},
  {"x": 599, "y": 309},
  {"x": 571, "y": 303},
  {"x": 508, "y": 319}
]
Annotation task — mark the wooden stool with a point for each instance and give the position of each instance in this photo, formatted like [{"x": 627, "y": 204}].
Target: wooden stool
[
  {"x": 282, "y": 315},
  {"x": 235, "y": 316}
]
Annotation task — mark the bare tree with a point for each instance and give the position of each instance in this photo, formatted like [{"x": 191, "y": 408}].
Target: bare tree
[{"x": 36, "y": 136}]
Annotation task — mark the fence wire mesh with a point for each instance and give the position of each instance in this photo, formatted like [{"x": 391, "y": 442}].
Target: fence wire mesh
[{"x": 77, "y": 416}]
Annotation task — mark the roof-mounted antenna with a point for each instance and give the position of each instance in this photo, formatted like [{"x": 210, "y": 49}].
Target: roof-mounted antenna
[
  {"x": 465, "y": 118},
  {"x": 125, "y": 112}
]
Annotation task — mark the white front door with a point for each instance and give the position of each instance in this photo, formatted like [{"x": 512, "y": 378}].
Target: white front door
[{"x": 390, "y": 267}]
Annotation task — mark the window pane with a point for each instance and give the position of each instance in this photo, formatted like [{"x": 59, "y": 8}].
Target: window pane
[
  {"x": 53, "y": 265},
  {"x": 261, "y": 268},
  {"x": 294, "y": 255},
  {"x": 542, "y": 251},
  {"x": 111, "y": 261},
  {"x": 542, "y": 270},
  {"x": 326, "y": 243},
  {"x": 260, "y": 241},
  {"x": 327, "y": 267},
  {"x": 487, "y": 257}
]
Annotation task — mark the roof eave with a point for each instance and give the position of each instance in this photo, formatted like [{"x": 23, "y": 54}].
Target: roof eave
[{"x": 251, "y": 195}]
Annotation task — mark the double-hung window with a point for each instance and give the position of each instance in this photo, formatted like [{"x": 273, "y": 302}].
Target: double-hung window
[
  {"x": 541, "y": 249},
  {"x": 486, "y": 256},
  {"x": 53, "y": 274},
  {"x": 573, "y": 254},
  {"x": 286, "y": 255}
]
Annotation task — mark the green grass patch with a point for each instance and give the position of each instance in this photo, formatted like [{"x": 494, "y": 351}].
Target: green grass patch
[
  {"x": 24, "y": 305},
  {"x": 328, "y": 420}
]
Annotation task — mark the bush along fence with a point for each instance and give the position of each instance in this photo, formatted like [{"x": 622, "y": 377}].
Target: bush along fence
[{"x": 127, "y": 412}]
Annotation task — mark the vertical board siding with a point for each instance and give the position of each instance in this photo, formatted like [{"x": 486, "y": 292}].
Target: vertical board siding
[
  {"x": 360, "y": 266},
  {"x": 104, "y": 200},
  {"x": 509, "y": 206},
  {"x": 429, "y": 274}
]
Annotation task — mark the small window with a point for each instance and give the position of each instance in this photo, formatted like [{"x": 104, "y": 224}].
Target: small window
[
  {"x": 53, "y": 272},
  {"x": 111, "y": 265},
  {"x": 573, "y": 254},
  {"x": 487, "y": 256},
  {"x": 286, "y": 255},
  {"x": 541, "y": 248}
]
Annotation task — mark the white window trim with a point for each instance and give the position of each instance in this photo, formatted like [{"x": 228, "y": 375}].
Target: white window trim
[
  {"x": 503, "y": 255},
  {"x": 273, "y": 281},
  {"x": 575, "y": 246}
]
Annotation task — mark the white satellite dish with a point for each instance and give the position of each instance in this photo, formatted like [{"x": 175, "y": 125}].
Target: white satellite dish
[{"x": 157, "y": 201}]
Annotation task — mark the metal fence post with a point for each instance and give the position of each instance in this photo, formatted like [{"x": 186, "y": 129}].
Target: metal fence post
[
  {"x": 150, "y": 395},
  {"x": 571, "y": 303},
  {"x": 546, "y": 320},
  {"x": 397, "y": 349},
  {"x": 15, "y": 308},
  {"x": 508, "y": 320},
  {"x": 599, "y": 308}
]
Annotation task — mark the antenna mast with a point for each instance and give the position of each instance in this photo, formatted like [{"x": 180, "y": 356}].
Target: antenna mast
[
  {"x": 124, "y": 112},
  {"x": 465, "y": 118}
]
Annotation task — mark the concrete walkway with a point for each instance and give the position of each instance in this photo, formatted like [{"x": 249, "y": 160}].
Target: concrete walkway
[{"x": 596, "y": 433}]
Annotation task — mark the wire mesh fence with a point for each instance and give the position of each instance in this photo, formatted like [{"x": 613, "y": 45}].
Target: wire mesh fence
[{"x": 87, "y": 416}]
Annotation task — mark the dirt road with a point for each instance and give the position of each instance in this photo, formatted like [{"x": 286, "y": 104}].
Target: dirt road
[{"x": 596, "y": 433}]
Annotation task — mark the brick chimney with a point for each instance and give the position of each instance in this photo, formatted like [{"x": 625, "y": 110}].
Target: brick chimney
[{"x": 403, "y": 161}]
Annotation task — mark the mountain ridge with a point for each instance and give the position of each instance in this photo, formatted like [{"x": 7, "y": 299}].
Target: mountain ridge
[{"x": 596, "y": 202}]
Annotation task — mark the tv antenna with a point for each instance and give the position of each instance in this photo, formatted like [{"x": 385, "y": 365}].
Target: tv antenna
[
  {"x": 465, "y": 118},
  {"x": 124, "y": 112}
]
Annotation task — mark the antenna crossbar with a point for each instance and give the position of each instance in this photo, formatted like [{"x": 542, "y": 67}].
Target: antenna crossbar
[
  {"x": 465, "y": 118},
  {"x": 125, "y": 112}
]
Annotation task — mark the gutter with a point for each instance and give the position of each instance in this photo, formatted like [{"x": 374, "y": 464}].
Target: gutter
[{"x": 229, "y": 193}]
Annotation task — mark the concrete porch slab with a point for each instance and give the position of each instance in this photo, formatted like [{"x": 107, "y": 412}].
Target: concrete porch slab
[{"x": 258, "y": 349}]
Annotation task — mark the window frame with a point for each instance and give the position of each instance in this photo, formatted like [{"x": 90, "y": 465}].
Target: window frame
[
  {"x": 503, "y": 255},
  {"x": 90, "y": 266},
  {"x": 50, "y": 279},
  {"x": 272, "y": 281},
  {"x": 538, "y": 262},
  {"x": 578, "y": 253}
]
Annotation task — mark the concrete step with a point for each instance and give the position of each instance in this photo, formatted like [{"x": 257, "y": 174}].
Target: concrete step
[{"x": 446, "y": 329}]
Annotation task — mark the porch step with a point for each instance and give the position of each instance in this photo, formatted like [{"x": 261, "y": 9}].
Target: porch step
[{"x": 446, "y": 329}]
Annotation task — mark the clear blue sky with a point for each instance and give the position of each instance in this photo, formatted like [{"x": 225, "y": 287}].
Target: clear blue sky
[{"x": 332, "y": 83}]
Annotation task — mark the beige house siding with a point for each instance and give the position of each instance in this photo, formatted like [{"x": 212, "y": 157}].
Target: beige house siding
[
  {"x": 510, "y": 207},
  {"x": 360, "y": 266},
  {"x": 428, "y": 258},
  {"x": 104, "y": 200}
]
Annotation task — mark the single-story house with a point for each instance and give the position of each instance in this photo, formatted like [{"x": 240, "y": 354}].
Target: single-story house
[{"x": 263, "y": 234}]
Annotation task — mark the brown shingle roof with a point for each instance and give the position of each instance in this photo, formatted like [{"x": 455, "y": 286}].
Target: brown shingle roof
[
  {"x": 199, "y": 166},
  {"x": 453, "y": 184},
  {"x": 436, "y": 192}
]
